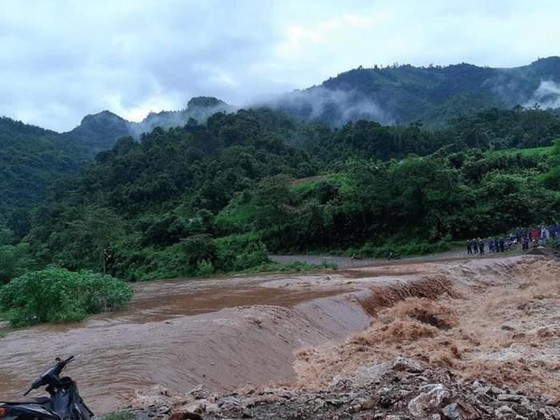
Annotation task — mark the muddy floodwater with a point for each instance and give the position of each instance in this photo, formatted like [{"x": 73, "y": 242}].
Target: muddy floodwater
[
  {"x": 490, "y": 319},
  {"x": 221, "y": 333}
]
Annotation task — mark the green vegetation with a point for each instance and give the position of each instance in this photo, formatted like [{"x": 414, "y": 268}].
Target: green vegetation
[
  {"x": 219, "y": 197},
  {"x": 58, "y": 295},
  {"x": 403, "y": 94},
  {"x": 119, "y": 415},
  {"x": 31, "y": 159}
]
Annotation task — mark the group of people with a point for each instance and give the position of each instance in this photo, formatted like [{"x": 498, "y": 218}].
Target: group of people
[
  {"x": 529, "y": 237},
  {"x": 476, "y": 246}
]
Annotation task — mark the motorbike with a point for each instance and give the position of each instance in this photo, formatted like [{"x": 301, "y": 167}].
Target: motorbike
[{"x": 64, "y": 401}]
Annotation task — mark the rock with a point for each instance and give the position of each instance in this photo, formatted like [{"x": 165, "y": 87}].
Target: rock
[
  {"x": 481, "y": 388},
  {"x": 402, "y": 364},
  {"x": 341, "y": 384},
  {"x": 212, "y": 408},
  {"x": 200, "y": 393},
  {"x": 505, "y": 413},
  {"x": 451, "y": 411},
  {"x": 549, "y": 413},
  {"x": 510, "y": 397},
  {"x": 163, "y": 409},
  {"x": 198, "y": 407},
  {"x": 229, "y": 403},
  {"x": 427, "y": 401},
  {"x": 369, "y": 403}
]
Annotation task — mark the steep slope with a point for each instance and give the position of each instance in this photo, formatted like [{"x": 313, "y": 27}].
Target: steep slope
[
  {"x": 99, "y": 132},
  {"x": 30, "y": 159},
  {"x": 198, "y": 110}
]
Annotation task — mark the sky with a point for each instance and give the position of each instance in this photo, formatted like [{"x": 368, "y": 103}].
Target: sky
[{"x": 63, "y": 59}]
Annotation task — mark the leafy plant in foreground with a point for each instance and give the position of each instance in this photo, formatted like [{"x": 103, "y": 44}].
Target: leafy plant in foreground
[{"x": 59, "y": 295}]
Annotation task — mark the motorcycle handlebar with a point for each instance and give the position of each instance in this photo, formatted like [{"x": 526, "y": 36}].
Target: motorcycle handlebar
[
  {"x": 50, "y": 375},
  {"x": 64, "y": 362}
]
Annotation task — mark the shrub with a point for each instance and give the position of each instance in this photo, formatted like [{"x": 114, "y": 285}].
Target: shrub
[
  {"x": 59, "y": 295},
  {"x": 204, "y": 268},
  {"x": 240, "y": 252},
  {"x": 414, "y": 247}
]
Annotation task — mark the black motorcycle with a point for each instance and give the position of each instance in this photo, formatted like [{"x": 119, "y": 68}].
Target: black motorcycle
[{"x": 64, "y": 401}]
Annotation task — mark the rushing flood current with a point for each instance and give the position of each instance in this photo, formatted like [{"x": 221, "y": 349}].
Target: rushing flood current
[{"x": 219, "y": 333}]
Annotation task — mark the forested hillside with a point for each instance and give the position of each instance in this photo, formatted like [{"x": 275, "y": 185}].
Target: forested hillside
[
  {"x": 218, "y": 197},
  {"x": 397, "y": 96},
  {"x": 400, "y": 94},
  {"x": 31, "y": 159},
  {"x": 462, "y": 153},
  {"x": 101, "y": 131}
]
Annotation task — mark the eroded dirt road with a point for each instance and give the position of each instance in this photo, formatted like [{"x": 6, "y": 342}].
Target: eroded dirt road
[{"x": 499, "y": 321}]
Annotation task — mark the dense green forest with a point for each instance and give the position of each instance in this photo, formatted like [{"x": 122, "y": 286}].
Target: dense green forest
[
  {"x": 31, "y": 158},
  {"x": 218, "y": 197}
]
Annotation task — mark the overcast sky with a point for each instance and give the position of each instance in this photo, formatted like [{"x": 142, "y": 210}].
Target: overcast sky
[{"x": 63, "y": 59}]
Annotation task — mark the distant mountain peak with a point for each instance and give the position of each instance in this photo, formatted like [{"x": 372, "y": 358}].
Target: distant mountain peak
[
  {"x": 102, "y": 116},
  {"x": 205, "y": 102},
  {"x": 98, "y": 132}
]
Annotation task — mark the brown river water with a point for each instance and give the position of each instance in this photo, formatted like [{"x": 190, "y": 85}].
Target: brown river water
[{"x": 221, "y": 333}]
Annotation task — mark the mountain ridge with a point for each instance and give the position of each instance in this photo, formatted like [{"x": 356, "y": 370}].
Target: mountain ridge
[
  {"x": 390, "y": 95},
  {"x": 405, "y": 93}
]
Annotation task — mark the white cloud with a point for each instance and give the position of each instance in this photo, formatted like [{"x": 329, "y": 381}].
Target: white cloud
[{"x": 62, "y": 59}]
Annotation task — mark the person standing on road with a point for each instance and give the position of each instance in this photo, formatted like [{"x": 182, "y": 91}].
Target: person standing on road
[{"x": 475, "y": 246}]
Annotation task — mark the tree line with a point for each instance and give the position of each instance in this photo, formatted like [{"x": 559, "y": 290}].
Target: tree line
[{"x": 218, "y": 197}]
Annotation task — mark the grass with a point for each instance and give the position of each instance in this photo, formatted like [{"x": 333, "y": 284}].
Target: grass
[
  {"x": 532, "y": 151},
  {"x": 295, "y": 267},
  {"x": 119, "y": 415}
]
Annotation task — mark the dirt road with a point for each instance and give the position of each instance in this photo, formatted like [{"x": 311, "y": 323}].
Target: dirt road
[{"x": 348, "y": 262}]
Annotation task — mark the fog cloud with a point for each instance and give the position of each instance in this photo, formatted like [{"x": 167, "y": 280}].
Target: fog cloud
[
  {"x": 547, "y": 95},
  {"x": 336, "y": 106}
]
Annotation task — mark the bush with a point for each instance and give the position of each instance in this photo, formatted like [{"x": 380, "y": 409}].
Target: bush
[
  {"x": 414, "y": 247},
  {"x": 204, "y": 268},
  {"x": 240, "y": 252},
  {"x": 59, "y": 295}
]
